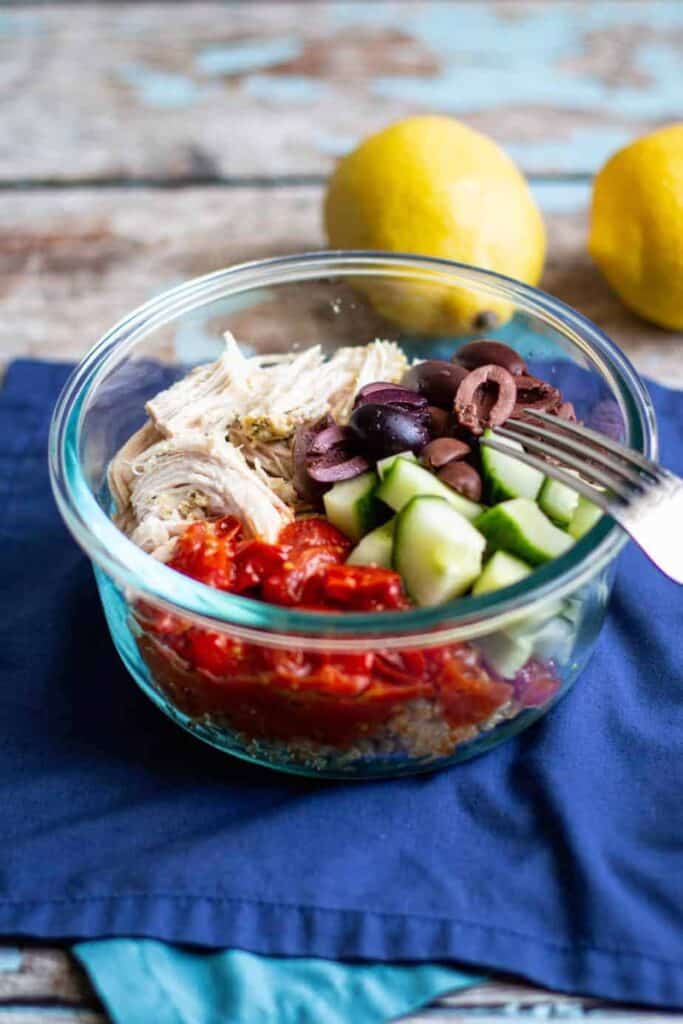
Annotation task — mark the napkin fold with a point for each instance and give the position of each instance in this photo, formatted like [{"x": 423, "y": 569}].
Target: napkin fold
[
  {"x": 556, "y": 856},
  {"x": 145, "y": 981}
]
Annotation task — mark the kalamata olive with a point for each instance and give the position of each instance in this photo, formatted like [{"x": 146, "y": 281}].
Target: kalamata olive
[
  {"x": 534, "y": 393},
  {"x": 439, "y": 421},
  {"x": 382, "y": 430},
  {"x": 463, "y": 478},
  {"x": 443, "y": 450},
  {"x": 485, "y": 398},
  {"x": 330, "y": 469},
  {"x": 483, "y": 353},
  {"x": 436, "y": 379},
  {"x": 392, "y": 394}
]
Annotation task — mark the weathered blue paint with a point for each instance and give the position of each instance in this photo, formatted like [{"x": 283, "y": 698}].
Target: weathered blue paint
[
  {"x": 285, "y": 89},
  {"x": 10, "y": 959},
  {"x": 590, "y": 147},
  {"x": 20, "y": 23},
  {"x": 246, "y": 55},
  {"x": 334, "y": 145},
  {"x": 160, "y": 88},
  {"x": 490, "y": 58},
  {"x": 561, "y": 196}
]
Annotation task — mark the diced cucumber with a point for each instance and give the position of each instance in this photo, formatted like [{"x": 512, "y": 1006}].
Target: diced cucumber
[
  {"x": 585, "y": 517},
  {"x": 384, "y": 465},
  {"x": 554, "y": 640},
  {"x": 505, "y": 654},
  {"x": 375, "y": 548},
  {"x": 532, "y": 623},
  {"x": 519, "y": 526},
  {"x": 501, "y": 570},
  {"x": 437, "y": 551},
  {"x": 405, "y": 480},
  {"x": 558, "y": 501},
  {"x": 505, "y": 477},
  {"x": 350, "y": 505}
]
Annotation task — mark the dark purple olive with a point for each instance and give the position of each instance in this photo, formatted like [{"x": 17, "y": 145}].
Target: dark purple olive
[
  {"x": 382, "y": 430},
  {"x": 436, "y": 379},
  {"x": 329, "y": 470},
  {"x": 328, "y": 438},
  {"x": 305, "y": 487},
  {"x": 439, "y": 421},
  {"x": 484, "y": 352},
  {"x": 443, "y": 450},
  {"x": 390, "y": 394},
  {"x": 463, "y": 478}
]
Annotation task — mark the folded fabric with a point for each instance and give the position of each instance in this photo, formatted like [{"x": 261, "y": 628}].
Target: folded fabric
[
  {"x": 556, "y": 856},
  {"x": 144, "y": 981}
]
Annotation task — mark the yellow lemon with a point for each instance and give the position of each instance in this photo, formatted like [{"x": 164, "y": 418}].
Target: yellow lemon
[
  {"x": 433, "y": 186},
  {"x": 636, "y": 234}
]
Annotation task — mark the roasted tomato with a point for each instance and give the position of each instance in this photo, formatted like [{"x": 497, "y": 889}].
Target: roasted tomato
[
  {"x": 314, "y": 533},
  {"x": 206, "y": 552},
  {"x": 255, "y": 562},
  {"x": 359, "y": 588}
]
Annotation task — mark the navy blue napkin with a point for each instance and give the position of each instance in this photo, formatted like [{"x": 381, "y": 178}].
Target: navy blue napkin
[{"x": 558, "y": 856}]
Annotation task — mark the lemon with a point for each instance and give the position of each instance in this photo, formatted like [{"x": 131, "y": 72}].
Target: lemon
[
  {"x": 433, "y": 186},
  {"x": 636, "y": 234}
]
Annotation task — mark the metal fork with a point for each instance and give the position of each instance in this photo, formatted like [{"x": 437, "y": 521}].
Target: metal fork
[{"x": 644, "y": 498}]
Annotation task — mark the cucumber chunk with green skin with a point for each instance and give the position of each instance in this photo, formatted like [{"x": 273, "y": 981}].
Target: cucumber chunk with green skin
[
  {"x": 501, "y": 570},
  {"x": 584, "y": 519},
  {"x": 375, "y": 548},
  {"x": 437, "y": 551},
  {"x": 506, "y": 477},
  {"x": 505, "y": 654},
  {"x": 519, "y": 526},
  {"x": 384, "y": 465},
  {"x": 351, "y": 506},
  {"x": 405, "y": 480},
  {"x": 558, "y": 501}
]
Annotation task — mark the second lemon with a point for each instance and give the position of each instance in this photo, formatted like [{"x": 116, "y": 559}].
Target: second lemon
[{"x": 434, "y": 186}]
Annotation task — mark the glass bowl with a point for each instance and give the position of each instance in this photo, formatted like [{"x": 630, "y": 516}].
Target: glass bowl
[{"x": 495, "y": 663}]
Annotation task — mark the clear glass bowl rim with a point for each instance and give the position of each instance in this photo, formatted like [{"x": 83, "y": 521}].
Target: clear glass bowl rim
[{"x": 138, "y": 573}]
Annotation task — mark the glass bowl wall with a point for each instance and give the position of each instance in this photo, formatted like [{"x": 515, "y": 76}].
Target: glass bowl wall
[{"x": 512, "y": 654}]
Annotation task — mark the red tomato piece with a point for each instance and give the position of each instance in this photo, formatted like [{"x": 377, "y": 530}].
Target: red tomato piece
[
  {"x": 314, "y": 532},
  {"x": 360, "y": 588},
  {"x": 286, "y": 586},
  {"x": 205, "y": 551},
  {"x": 213, "y": 652},
  {"x": 255, "y": 561}
]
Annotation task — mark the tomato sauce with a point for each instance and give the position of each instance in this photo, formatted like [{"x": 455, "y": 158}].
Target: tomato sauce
[{"x": 283, "y": 694}]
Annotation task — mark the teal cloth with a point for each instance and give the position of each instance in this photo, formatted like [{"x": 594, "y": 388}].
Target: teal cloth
[{"x": 148, "y": 982}]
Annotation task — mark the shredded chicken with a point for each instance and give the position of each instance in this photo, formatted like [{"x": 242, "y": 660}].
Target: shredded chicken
[
  {"x": 219, "y": 441},
  {"x": 198, "y": 476}
]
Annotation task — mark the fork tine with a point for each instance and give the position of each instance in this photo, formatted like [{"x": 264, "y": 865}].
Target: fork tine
[
  {"x": 597, "y": 497},
  {"x": 606, "y": 443},
  {"x": 601, "y": 456},
  {"x": 592, "y": 474}
]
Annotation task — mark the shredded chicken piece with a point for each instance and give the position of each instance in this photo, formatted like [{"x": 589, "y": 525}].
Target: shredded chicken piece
[
  {"x": 219, "y": 441},
  {"x": 120, "y": 474},
  {"x": 196, "y": 476},
  {"x": 381, "y": 360}
]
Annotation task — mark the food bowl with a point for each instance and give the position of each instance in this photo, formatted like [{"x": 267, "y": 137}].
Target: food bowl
[{"x": 457, "y": 679}]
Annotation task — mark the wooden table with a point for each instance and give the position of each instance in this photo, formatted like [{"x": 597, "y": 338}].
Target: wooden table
[{"x": 141, "y": 144}]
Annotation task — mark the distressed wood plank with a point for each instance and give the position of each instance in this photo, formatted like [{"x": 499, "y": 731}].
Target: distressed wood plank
[
  {"x": 206, "y": 89},
  {"x": 72, "y": 263},
  {"x": 45, "y": 974},
  {"x": 50, "y": 1015}
]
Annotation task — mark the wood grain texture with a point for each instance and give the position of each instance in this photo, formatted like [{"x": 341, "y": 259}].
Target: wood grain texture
[
  {"x": 45, "y": 975},
  {"x": 205, "y": 89},
  {"x": 74, "y": 262}
]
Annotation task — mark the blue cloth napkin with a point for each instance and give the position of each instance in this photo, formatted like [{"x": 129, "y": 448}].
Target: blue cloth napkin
[
  {"x": 556, "y": 856},
  {"x": 145, "y": 981}
]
